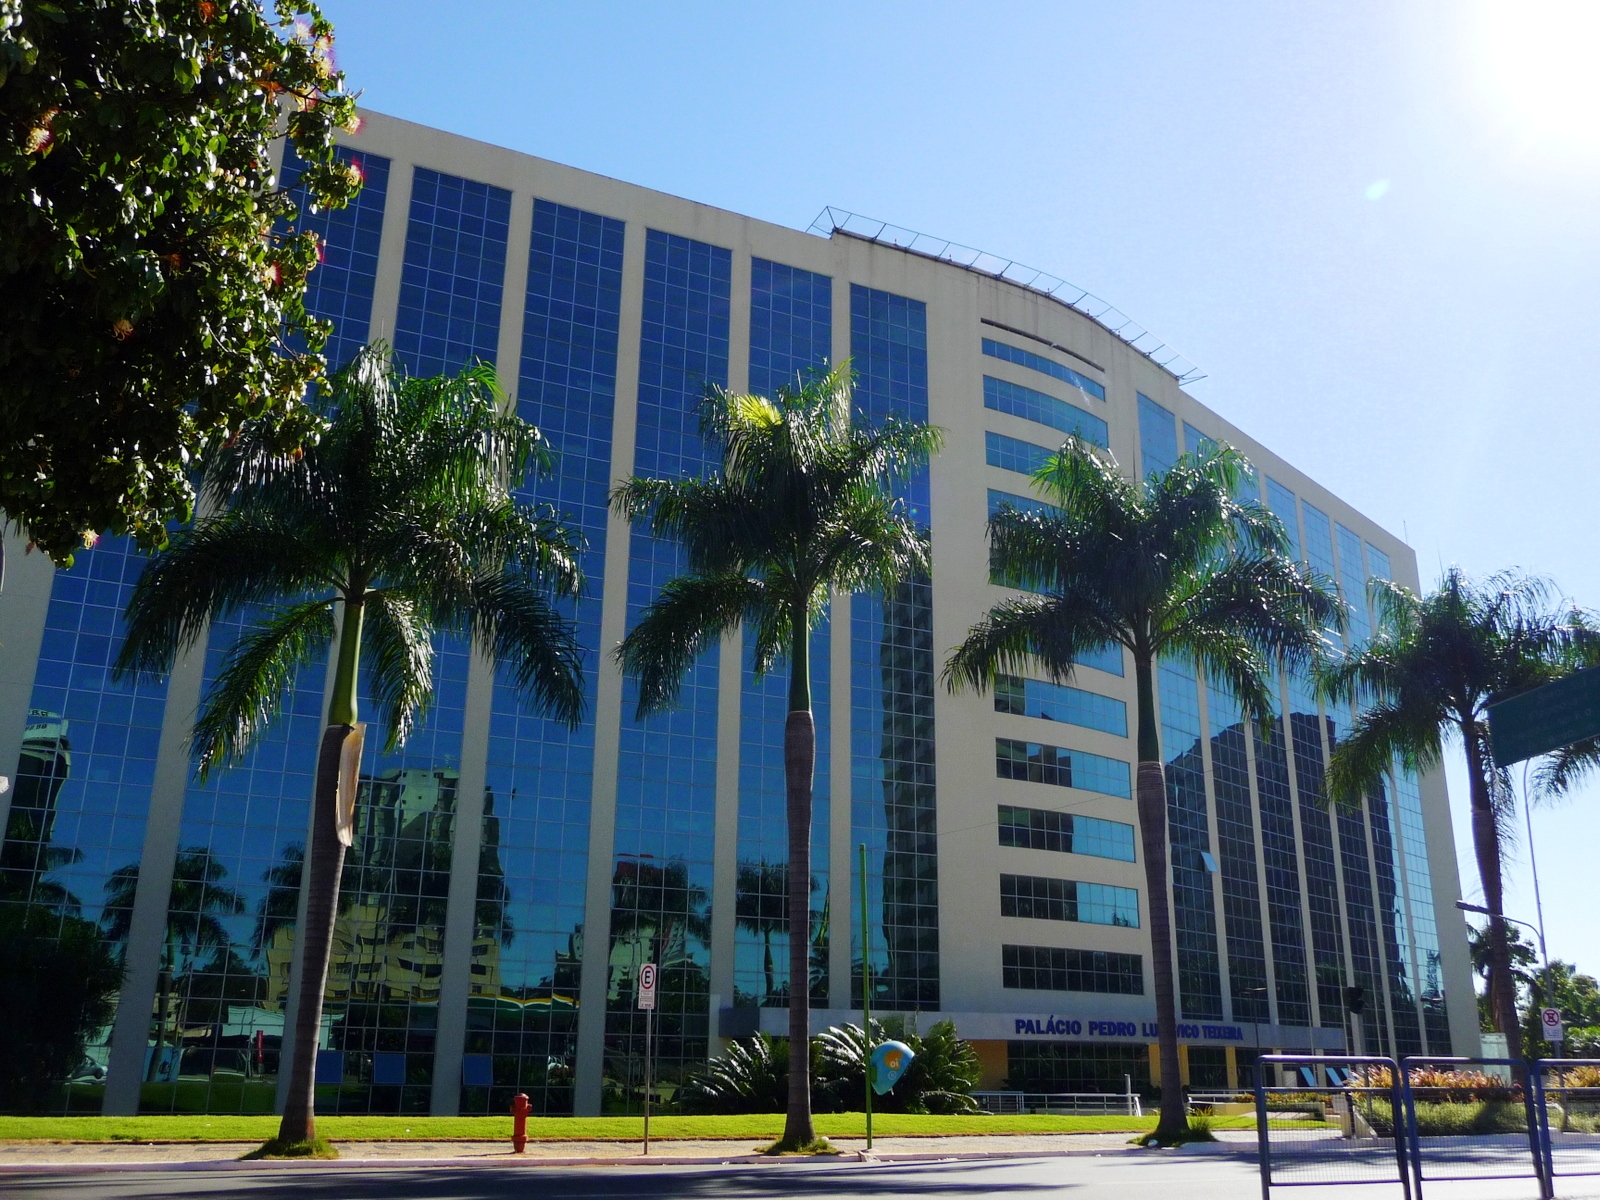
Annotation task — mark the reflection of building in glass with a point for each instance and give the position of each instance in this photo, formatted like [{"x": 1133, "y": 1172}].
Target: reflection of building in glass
[{"x": 607, "y": 309}]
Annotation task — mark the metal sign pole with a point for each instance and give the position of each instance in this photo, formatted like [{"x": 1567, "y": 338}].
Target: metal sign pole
[
  {"x": 647, "y": 1002},
  {"x": 866, "y": 997},
  {"x": 649, "y": 1029}
]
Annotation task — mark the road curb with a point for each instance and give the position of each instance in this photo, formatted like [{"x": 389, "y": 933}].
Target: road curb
[{"x": 521, "y": 1162}]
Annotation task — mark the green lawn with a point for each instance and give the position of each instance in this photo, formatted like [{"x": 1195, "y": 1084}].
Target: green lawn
[{"x": 498, "y": 1129}]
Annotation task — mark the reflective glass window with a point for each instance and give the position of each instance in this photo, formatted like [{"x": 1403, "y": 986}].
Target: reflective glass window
[
  {"x": 1030, "y": 405},
  {"x": 1045, "y": 366}
]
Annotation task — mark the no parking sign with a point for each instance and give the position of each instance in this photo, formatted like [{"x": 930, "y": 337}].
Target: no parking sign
[{"x": 1550, "y": 1019}]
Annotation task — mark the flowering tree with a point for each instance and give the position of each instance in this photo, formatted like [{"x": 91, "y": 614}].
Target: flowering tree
[{"x": 151, "y": 273}]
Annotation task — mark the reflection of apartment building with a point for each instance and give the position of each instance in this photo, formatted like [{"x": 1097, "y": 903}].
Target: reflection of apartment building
[{"x": 1004, "y": 890}]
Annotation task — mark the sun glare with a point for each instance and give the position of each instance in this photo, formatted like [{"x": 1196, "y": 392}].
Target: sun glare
[{"x": 1539, "y": 61}]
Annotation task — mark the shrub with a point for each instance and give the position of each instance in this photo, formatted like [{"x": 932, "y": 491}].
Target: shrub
[
  {"x": 752, "y": 1077},
  {"x": 58, "y": 985},
  {"x": 942, "y": 1073}
]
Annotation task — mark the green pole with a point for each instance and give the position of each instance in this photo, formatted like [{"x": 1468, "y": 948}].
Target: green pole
[{"x": 866, "y": 995}]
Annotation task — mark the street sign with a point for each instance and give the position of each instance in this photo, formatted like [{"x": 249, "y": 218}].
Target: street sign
[
  {"x": 647, "y": 985},
  {"x": 1546, "y": 718},
  {"x": 1550, "y": 1019}
]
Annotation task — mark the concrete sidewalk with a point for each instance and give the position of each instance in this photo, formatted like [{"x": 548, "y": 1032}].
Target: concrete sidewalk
[{"x": 36, "y": 1156}]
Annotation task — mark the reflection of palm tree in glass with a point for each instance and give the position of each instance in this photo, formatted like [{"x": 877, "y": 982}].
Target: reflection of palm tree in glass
[
  {"x": 761, "y": 908},
  {"x": 655, "y": 904},
  {"x": 197, "y": 901},
  {"x": 277, "y": 908}
]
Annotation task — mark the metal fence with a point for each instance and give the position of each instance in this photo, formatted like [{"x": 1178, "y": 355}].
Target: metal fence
[
  {"x": 1330, "y": 1121},
  {"x": 1426, "y": 1120},
  {"x": 1474, "y": 1118},
  {"x": 1567, "y": 1096},
  {"x": 1103, "y": 1104}
]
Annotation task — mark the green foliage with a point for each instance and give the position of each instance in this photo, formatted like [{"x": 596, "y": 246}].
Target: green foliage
[
  {"x": 278, "y": 1148},
  {"x": 1433, "y": 666},
  {"x": 803, "y": 503},
  {"x": 405, "y": 507},
  {"x": 752, "y": 1077},
  {"x": 942, "y": 1073},
  {"x": 151, "y": 269},
  {"x": 58, "y": 987},
  {"x": 1199, "y": 1129},
  {"x": 1174, "y": 567},
  {"x": 1451, "y": 1119}
]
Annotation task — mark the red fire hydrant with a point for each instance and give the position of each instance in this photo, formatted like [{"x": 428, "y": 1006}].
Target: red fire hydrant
[{"x": 519, "y": 1122}]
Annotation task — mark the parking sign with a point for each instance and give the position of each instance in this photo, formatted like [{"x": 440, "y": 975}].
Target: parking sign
[
  {"x": 647, "y": 985},
  {"x": 1550, "y": 1018}
]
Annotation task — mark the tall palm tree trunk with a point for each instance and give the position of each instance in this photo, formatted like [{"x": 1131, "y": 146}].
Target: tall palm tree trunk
[
  {"x": 1151, "y": 790},
  {"x": 1486, "y": 848},
  {"x": 799, "y": 764},
  {"x": 324, "y": 864}
]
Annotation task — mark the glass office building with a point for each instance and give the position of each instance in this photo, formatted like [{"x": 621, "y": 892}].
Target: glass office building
[{"x": 509, "y": 876}]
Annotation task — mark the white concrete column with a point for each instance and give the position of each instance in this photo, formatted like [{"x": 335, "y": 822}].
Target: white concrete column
[
  {"x": 24, "y": 604},
  {"x": 595, "y": 975},
  {"x": 841, "y": 846},
  {"x": 461, "y": 906},
  {"x": 460, "y": 925},
  {"x": 130, "y": 1032}
]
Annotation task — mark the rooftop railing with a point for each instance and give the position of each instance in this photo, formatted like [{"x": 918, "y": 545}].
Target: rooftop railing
[{"x": 836, "y": 220}]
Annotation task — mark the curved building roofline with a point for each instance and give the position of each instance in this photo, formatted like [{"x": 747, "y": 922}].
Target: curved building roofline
[{"x": 837, "y": 220}]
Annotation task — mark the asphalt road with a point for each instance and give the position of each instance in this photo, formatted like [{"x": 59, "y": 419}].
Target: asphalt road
[{"x": 1118, "y": 1177}]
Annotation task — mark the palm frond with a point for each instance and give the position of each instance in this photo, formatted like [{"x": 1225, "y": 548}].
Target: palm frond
[
  {"x": 397, "y": 651},
  {"x": 259, "y": 669},
  {"x": 690, "y": 614},
  {"x": 1049, "y": 633},
  {"x": 535, "y": 642},
  {"x": 218, "y": 567}
]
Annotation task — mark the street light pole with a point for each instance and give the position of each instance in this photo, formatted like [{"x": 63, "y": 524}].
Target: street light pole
[
  {"x": 1538, "y": 900},
  {"x": 1549, "y": 979}
]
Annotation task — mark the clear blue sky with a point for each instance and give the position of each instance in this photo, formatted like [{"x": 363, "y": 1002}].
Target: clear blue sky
[{"x": 1373, "y": 225}]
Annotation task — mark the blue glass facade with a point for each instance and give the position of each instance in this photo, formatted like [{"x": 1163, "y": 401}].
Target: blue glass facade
[
  {"x": 454, "y": 274},
  {"x": 1194, "y": 916},
  {"x": 1014, "y": 454},
  {"x": 232, "y": 912},
  {"x": 527, "y": 952},
  {"x": 1045, "y": 366},
  {"x": 791, "y": 335},
  {"x": 340, "y": 289},
  {"x": 667, "y": 767},
  {"x": 82, "y": 790},
  {"x": 1287, "y": 891},
  {"x": 1158, "y": 437},
  {"x": 1058, "y": 702},
  {"x": 1013, "y": 398},
  {"x": 892, "y": 665},
  {"x": 1236, "y": 858},
  {"x": 1062, "y": 766}
]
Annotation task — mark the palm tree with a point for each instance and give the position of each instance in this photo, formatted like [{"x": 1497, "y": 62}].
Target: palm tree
[
  {"x": 1431, "y": 669},
  {"x": 1175, "y": 568},
  {"x": 398, "y": 525},
  {"x": 803, "y": 505}
]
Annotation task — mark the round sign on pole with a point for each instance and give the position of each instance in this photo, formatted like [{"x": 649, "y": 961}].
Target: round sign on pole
[
  {"x": 1550, "y": 1019},
  {"x": 647, "y": 985}
]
